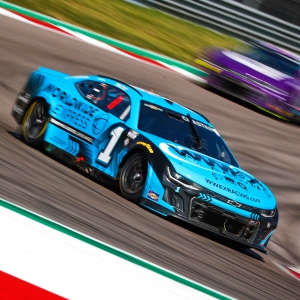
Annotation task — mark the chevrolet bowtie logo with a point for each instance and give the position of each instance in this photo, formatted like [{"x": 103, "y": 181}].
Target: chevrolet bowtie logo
[{"x": 234, "y": 203}]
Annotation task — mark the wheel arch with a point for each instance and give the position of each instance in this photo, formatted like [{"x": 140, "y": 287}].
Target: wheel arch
[
  {"x": 35, "y": 140},
  {"x": 127, "y": 156},
  {"x": 36, "y": 98}
]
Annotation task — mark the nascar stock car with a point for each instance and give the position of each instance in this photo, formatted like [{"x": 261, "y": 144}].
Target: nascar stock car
[
  {"x": 260, "y": 73},
  {"x": 164, "y": 156}
]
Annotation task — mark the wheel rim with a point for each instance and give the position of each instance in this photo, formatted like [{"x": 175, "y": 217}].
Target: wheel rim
[
  {"x": 134, "y": 176},
  {"x": 37, "y": 120}
]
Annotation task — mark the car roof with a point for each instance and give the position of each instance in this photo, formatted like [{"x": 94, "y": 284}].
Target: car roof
[
  {"x": 172, "y": 105},
  {"x": 158, "y": 100}
]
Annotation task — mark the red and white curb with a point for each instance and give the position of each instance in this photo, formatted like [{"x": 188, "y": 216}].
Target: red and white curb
[
  {"x": 294, "y": 271},
  {"x": 94, "y": 42},
  {"x": 42, "y": 260}
]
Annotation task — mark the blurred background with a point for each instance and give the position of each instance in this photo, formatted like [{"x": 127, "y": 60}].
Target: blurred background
[
  {"x": 285, "y": 10},
  {"x": 265, "y": 146}
]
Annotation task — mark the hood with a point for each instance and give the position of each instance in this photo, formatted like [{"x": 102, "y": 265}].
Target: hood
[
  {"x": 222, "y": 178},
  {"x": 250, "y": 68}
]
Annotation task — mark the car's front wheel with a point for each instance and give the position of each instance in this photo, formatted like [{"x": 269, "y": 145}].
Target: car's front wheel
[
  {"x": 35, "y": 123},
  {"x": 133, "y": 177}
]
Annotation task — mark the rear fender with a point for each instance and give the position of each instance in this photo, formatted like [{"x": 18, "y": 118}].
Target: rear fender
[{"x": 30, "y": 92}]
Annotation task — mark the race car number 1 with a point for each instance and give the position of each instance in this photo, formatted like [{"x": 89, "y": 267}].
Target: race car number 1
[{"x": 105, "y": 155}]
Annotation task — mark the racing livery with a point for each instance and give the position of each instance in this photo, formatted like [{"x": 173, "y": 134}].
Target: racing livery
[
  {"x": 260, "y": 73},
  {"x": 165, "y": 156}
]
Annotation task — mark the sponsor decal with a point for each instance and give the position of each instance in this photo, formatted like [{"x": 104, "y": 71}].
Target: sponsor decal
[
  {"x": 148, "y": 146},
  {"x": 72, "y": 116},
  {"x": 126, "y": 142},
  {"x": 25, "y": 98},
  {"x": 224, "y": 188},
  {"x": 234, "y": 203},
  {"x": 70, "y": 101},
  {"x": 152, "y": 196},
  {"x": 200, "y": 124},
  {"x": 191, "y": 157},
  {"x": 132, "y": 134},
  {"x": 217, "y": 176},
  {"x": 153, "y": 107},
  {"x": 18, "y": 109},
  {"x": 242, "y": 186},
  {"x": 75, "y": 118},
  {"x": 229, "y": 180},
  {"x": 72, "y": 130},
  {"x": 99, "y": 124}
]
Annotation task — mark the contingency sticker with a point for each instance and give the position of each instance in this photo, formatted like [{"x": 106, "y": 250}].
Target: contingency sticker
[
  {"x": 132, "y": 134},
  {"x": 152, "y": 196}
]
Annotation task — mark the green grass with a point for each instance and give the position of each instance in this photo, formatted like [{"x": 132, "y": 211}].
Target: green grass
[{"x": 139, "y": 26}]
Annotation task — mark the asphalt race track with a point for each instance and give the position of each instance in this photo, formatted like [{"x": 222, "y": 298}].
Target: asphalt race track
[{"x": 264, "y": 146}]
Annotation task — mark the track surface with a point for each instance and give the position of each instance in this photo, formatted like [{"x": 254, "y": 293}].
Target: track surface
[{"x": 267, "y": 148}]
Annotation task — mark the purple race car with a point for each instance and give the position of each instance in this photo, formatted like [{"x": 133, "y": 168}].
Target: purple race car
[{"x": 262, "y": 74}]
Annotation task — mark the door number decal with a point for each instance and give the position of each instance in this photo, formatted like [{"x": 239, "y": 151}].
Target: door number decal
[{"x": 105, "y": 155}]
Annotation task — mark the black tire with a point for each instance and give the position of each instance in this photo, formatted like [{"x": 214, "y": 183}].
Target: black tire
[
  {"x": 295, "y": 120},
  {"x": 35, "y": 123},
  {"x": 133, "y": 177}
]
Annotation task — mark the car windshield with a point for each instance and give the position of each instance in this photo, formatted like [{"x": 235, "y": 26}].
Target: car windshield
[
  {"x": 175, "y": 127},
  {"x": 272, "y": 59},
  {"x": 107, "y": 97}
]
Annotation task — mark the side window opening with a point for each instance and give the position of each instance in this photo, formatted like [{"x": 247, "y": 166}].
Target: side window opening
[{"x": 107, "y": 97}]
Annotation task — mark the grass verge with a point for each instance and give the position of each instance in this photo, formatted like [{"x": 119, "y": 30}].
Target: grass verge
[{"x": 143, "y": 27}]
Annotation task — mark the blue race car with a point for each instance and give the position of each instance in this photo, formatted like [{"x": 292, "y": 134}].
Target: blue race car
[{"x": 165, "y": 156}]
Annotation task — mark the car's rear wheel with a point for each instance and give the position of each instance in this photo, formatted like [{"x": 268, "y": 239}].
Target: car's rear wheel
[
  {"x": 35, "y": 123},
  {"x": 133, "y": 177}
]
